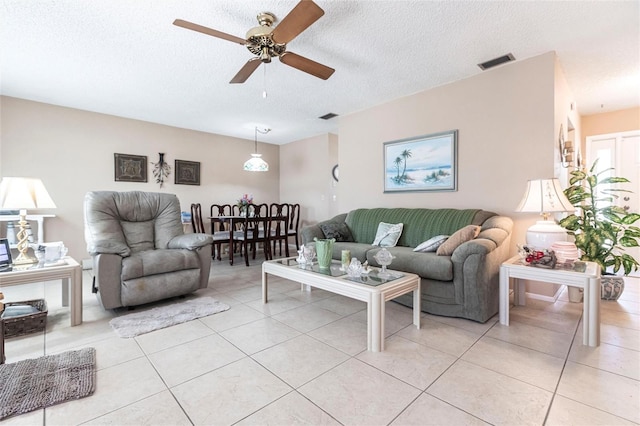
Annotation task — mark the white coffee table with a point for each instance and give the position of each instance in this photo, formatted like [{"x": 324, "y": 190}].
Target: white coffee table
[
  {"x": 374, "y": 294},
  {"x": 589, "y": 281},
  {"x": 69, "y": 271}
]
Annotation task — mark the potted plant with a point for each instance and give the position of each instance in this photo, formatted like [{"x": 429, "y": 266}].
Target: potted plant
[{"x": 601, "y": 229}]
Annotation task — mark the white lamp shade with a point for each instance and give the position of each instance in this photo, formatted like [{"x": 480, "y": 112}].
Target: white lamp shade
[
  {"x": 24, "y": 193},
  {"x": 544, "y": 196},
  {"x": 256, "y": 164}
]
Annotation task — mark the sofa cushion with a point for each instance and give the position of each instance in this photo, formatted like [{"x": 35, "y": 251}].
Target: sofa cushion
[
  {"x": 426, "y": 265},
  {"x": 388, "y": 234},
  {"x": 339, "y": 231},
  {"x": 152, "y": 262},
  {"x": 431, "y": 244},
  {"x": 463, "y": 235},
  {"x": 358, "y": 250}
]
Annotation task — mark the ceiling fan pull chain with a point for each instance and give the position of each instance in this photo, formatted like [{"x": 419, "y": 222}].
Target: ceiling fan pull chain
[{"x": 264, "y": 92}]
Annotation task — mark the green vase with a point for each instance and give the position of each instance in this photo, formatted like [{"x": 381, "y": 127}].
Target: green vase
[{"x": 324, "y": 251}]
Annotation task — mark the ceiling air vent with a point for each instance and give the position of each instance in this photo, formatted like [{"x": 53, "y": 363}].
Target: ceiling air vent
[
  {"x": 497, "y": 61},
  {"x": 328, "y": 116}
]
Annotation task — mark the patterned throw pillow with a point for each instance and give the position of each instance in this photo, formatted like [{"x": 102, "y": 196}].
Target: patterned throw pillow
[
  {"x": 431, "y": 244},
  {"x": 339, "y": 231},
  {"x": 463, "y": 235},
  {"x": 388, "y": 234}
]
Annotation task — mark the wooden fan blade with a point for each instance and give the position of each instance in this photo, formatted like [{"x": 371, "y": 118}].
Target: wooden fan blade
[
  {"x": 307, "y": 65},
  {"x": 246, "y": 71},
  {"x": 209, "y": 31},
  {"x": 299, "y": 19}
]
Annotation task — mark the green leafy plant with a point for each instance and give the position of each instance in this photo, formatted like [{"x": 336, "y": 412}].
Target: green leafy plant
[{"x": 601, "y": 229}]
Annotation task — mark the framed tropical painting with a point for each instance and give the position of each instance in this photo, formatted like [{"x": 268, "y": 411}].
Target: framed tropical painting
[{"x": 424, "y": 163}]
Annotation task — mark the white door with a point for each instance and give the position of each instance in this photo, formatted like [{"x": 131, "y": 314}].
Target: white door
[{"x": 622, "y": 152}]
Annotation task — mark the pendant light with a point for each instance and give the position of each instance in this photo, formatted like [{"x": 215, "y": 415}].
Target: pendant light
[{"x": 256, "y": 163}]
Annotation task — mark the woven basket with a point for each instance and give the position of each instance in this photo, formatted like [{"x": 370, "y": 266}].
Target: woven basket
[{"x": 26, "y": 324}]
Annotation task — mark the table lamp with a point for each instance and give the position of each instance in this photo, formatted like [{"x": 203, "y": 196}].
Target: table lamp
[
  {"x": 545, "y": 196},
  {"x": 24, "y": 193}
]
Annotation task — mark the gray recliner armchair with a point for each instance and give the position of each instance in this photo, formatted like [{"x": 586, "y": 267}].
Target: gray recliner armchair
[{"x": 140, "y": 251}]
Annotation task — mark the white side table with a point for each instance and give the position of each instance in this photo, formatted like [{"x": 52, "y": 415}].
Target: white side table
[
  {"x": 70, "y": 273},
  {"x": 589, "y": 281}
]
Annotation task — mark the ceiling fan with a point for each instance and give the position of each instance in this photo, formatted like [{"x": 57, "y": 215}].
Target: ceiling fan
[{"x": 266, "y": 42}]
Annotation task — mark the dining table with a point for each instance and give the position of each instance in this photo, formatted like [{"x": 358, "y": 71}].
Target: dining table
[{"x": 232, "y": 221}]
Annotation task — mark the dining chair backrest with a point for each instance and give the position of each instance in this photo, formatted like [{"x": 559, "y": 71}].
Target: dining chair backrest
[
  {"x": 294, "y": 216},
  {"x": 219, "y": 210},
  {"x": 294, "y": 222},
  {"x": 196, "y": 219},
  {"x": 279, "y": 214},
  {"x": 258, "y": 210}
]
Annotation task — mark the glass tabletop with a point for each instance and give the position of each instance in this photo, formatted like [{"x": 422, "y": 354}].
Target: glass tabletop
[
  {"x": 372, "y": 278},
  {"x": 34, "y": 266}
]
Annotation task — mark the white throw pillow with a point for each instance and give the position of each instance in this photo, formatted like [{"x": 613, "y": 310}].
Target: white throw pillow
[
  {"x": 388, "y": 234},
  {"x": 431, "y": 244}
]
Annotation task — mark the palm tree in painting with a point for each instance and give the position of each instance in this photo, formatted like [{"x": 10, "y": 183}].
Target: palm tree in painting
[
  {"x": 397, "y": 163},
  {"x": 405, "y": 154}
]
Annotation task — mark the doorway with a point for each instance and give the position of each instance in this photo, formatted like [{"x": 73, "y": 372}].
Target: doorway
[{"x": 620, "y": 151}]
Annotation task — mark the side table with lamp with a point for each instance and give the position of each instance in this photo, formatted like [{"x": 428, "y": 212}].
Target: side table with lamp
[
  {"x": 23, "y": 193},
  {"x": 545, "y": 197}
]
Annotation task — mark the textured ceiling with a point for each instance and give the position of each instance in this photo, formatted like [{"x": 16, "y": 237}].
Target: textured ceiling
[{"x": 125, "y": 57}]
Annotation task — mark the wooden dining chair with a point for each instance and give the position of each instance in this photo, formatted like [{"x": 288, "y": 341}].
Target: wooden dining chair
[
  {"x": 279, "y": 214},
  {"x": 294, "y": 222},
  {"x": 219, "y": 228},
  {"x": 255, "y": 230},
  {"x": 196, "y": 219}
]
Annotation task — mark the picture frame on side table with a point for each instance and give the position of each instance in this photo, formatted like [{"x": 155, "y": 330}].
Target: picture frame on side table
[
  {"x": 187, "y": 172},
  {"x": 130, "y": 168},
  {"x": 423, "y": 163}
]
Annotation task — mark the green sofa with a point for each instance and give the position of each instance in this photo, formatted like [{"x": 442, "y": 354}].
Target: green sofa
[{"x": 464, "y": 284}]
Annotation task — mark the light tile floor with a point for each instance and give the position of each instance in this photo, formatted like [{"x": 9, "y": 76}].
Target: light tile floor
[{"x": 302, "y": 359}]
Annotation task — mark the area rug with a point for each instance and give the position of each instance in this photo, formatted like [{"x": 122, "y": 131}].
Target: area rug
[
  {"x": 154, "y": 319},
  {"x": 32, "y": 384}
]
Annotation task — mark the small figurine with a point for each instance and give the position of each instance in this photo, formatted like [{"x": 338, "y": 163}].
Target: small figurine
[{"x": 541, "y": 258}]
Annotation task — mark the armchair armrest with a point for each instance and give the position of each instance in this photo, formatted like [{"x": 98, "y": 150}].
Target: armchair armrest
[
  {"x": 108, "y": 247},
  {"x": 190, "y": 241}
]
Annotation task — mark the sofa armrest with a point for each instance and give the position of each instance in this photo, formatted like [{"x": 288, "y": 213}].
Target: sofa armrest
[
  {"x": 480, "y": 246},
  {"x": 108, "y": 247},
  {"x": 190, "y": 241},
  {"x": 476, "y": 269},
  {"x": 313, "y": 231}
]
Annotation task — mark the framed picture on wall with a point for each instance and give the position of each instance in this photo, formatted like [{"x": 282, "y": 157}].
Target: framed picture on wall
[
  {"x": 130, "y": 168},
  {"x": 424, "y": 163},
  {"x": 187, "y": 172}
]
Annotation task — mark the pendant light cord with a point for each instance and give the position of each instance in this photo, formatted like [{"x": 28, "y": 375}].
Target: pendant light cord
[{"x": 267, "y": 130}]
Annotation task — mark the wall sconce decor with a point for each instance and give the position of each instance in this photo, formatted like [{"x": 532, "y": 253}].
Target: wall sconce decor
[
  {"x": 566, "y": 150},
  {"x": 161, "y": 169}
]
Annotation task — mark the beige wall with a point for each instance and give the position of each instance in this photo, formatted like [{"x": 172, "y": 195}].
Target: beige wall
[
  {"x": 305, "y": 176},
  {"x": 506, "y": 136},
  {"x": 72, "y": 151},
  {"x": 610, "y": 122}
]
